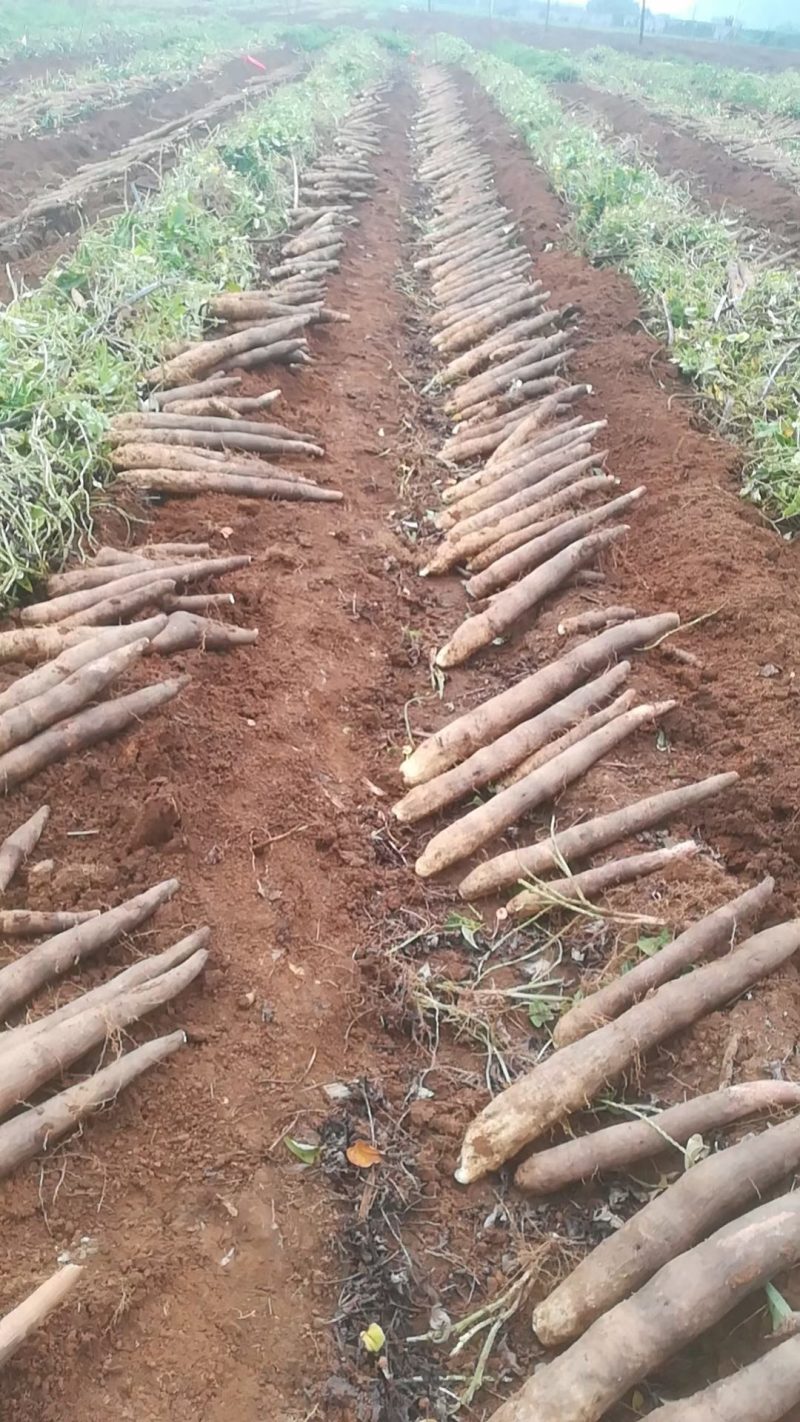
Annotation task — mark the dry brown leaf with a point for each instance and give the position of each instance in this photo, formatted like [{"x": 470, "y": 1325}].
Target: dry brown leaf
[{"x": 363, "y": 1155}]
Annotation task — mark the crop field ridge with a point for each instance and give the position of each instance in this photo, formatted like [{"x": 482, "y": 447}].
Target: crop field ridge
[
  {"x": 399, "y": 852},
  {"x": 717, "y": 179},
  {"x": 89, "y": 168}
]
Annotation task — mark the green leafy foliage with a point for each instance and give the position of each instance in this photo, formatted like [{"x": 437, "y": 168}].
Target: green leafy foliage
[
  {"x": 60, "y": 98},
  {"x": 780, "y": 1312},
  {"x": 307, "y": 1152},
  {"x": 546, "y": 64},
  {"x": 465, "y": 926},
  {"x": 394, "y": 41},
  {"x": 687, "y": 83},
  {"x": 90, "y": 27},
  {"x": 649, "y": 946},
  {"x": 306, "y": 37},
  {"x": 541, "y": 1011}
]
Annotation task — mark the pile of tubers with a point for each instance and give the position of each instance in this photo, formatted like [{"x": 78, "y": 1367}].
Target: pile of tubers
[{"x": 534, "y": 511}]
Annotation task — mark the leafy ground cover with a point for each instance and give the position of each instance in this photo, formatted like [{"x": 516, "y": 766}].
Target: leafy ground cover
[
  {"x": 731, "y": 320},
  {"x": 687, "y": 83},
  {"x": 89, "y": 27},
  {"x": 59, "y": 98},
  {"x": 71, "y": 351}
]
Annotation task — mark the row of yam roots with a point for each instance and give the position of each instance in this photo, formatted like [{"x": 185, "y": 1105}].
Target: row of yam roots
[
  {"x": 529, "y": 515},
  {"x": 195, "y": 434}
]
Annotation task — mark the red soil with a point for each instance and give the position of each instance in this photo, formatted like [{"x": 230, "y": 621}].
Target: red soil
[
  {"x": 266, "y": 791},
  {"x": 715, "y": 177}
]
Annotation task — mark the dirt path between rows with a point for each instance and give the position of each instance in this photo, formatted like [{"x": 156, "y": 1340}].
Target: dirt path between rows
[
  {"x": 714, "y": 176},
  {"x": 226, "y": 1279},
  {"x": 260, "y": 795}
]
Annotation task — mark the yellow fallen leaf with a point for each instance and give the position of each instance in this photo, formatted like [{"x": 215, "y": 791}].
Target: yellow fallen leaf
[
  {"x": 373, "y": 1338},
  {"x": 362, "y": 1154}
]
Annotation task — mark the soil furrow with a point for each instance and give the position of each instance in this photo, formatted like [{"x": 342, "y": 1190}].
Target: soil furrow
[
  {"x": 262, "y": 794},
  {"x": 714, "y": 176}
]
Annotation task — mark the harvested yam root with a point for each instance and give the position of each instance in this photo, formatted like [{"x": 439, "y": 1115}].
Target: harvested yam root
[
  {"x": 142, "y": 971},
  {"x": 79, "y": 579},
  {"x": 578, "y": 889},
  {"x": 536, "y": 551},
  {"x": 153, "y": 454},
  {"x": 210, "y": 424},
  {"x": 483, "y": 545},
  {"x": 21, "y": 979},
  {"x": 479, "y": 727},
  {"x": 714, "y": 1189},
  {"x": 576, "y": 733},
  {"x": 584, "y": 840},
  {"x": 217, "y": 440},
  {"x": 185, "y": 629},
  {"x": 199, "y": 602},
  {"x": 58, "y": 609},
  {"x": 184, "y": 482},
  {"x": 20, "y": 843},
  {"x": 54, "y": 673},
  {"x": 712, "y": 934},
  {"x": 30, "y": 1063},
  {"x": 32, "y": 1131},
  {"x": 216, "y": 385},
  {"x": 535, "y": 529},
  {"x": 162, "y": 456},
  {"x": 152, "y": 550},
  {"x": 117, "y": 606},
  {"x": 574, "y": 1075},
  {"x": 535, "y": 501},
  {"x": 36, "y": 644},
  {"x": 686, "y": 1297},
  {"x": 99, "y": 723},
  {"x": 486, "y": 766},
  {"x": 595, "y": 618},
  {"x": 524, "y": 597},
  {"x": 22, "y": 1321},
  {"x": 105, "y": 569},
  {"x": 618, "y": 1147},
  {"x": 764, "y": 1391},
  {"x": 487, "y": 821},
  {"x": 22, "y": 723},
  {"x": 492, "y": 496},
  {"x": 184, "y": 368},
  {"x": 32, "y": 923}
]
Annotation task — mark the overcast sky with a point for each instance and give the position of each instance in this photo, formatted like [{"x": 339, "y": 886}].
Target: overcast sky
[
  {"x": 750, "y": 12},
  {"x": 754, "y": 13}
]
